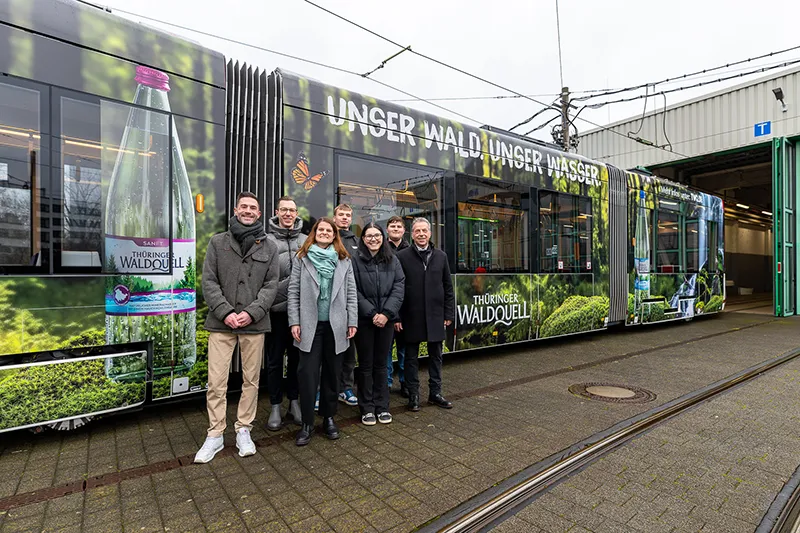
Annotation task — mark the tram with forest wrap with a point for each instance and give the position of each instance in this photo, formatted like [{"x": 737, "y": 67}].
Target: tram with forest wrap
[{"x": 118, "y": 166}]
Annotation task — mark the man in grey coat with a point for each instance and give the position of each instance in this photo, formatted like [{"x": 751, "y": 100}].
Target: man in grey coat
[
  {"x": 284, "y": 232},
  {"x": 240, "y": 279}
]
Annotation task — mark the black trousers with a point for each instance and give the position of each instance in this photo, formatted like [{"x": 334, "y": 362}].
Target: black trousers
[
  {"x": 323, "y": 354},
  {"x": 347, "y": 374},
  {"x": 434, "y": 368},
  {"x": 278, "y": 341},
  {"x": 372, "y": 344}
]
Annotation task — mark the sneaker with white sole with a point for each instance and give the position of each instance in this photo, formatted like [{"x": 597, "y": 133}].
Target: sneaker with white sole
[
  {"x": 368, "y": 419},
  {"x": 244, "y": 443},
  {"x": 385, "y": 417},
  {"x": 211, "y": 447},
  {"x": 348, "y": 397}
]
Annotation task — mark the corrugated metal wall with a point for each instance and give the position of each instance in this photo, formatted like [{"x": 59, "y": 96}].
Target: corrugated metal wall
[{"x": 721, "y": 121}]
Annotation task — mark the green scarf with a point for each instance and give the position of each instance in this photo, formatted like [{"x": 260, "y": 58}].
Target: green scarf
[{"x": 325, "y": 261}]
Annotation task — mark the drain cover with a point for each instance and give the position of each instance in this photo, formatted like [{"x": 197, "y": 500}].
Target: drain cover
[{"x": 612, "y": 392}]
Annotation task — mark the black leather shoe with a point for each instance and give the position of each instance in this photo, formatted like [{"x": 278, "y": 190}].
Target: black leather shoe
[
  {"x": 441, "y": 401},
  {"x": 413, "y": 402},
  {"x": 403, "y": 390},
  {"x": 303, "y": 436},
  {"x": 330, "y": 429}
]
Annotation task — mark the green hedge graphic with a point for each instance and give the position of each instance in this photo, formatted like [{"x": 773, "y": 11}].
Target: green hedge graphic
[
  {"x": 37, "y": 394},
  {"x": 577, "y": 313}
]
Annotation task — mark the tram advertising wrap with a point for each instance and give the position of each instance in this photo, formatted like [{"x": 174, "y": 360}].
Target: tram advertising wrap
[
  {"x": 329, "y": 128},
  {"x": 118, "y": 175},
  {"x": 676, "y": 244},
  {"x": 114, "y": 175}
]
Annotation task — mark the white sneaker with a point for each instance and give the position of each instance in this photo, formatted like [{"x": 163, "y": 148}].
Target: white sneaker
[
  {"x": 244, "y": 443},
  {"x": 210, "y": 448}
]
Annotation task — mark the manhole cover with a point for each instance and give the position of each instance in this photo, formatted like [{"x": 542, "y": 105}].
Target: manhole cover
[{"x": 612, "y": 392}]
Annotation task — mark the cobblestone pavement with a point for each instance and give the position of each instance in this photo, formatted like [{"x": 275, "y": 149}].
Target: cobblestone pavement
[
  {"x": 716, "y": 467},
  {"x": 512, "y": 409}
]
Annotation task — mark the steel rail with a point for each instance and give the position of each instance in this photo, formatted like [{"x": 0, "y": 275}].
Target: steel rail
[
  {"x": 789, "y": 520},
  {"x": 483, "y": 515}
]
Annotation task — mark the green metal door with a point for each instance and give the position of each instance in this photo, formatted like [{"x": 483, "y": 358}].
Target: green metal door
[{"x": 785, "y": 225}]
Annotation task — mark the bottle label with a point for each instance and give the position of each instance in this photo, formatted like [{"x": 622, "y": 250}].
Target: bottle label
[
  {"x": 138, "y": 290},
  {"x": 642, "y": 268}
]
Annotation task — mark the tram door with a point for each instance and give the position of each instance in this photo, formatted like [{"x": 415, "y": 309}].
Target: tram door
[{"x": 785, "y": 225}]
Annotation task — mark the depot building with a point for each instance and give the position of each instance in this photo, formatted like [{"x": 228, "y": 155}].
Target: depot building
[{"x": 741, "y": 144}]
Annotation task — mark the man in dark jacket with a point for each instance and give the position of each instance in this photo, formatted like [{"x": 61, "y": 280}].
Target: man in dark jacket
[
  {"x": 396, "y": 229},
  {"x": 240, "y": 279},
  {"x": 343, "y": 217},
  {"x": 428, "y": 308},
  {"x": 284, "y": 232}
]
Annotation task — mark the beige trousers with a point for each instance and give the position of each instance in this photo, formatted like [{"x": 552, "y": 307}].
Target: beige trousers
[{"x": 220, "y": 352}]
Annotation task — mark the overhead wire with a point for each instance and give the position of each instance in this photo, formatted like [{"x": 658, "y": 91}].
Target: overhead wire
[
  {"x": 332, "y": 67},
  {"x": 464, "y": 72},
  {"x": 692, "y": 74},
  {"x": 530, "y": 118},
  {"x": 558, "y": 31},
  {"x": 546, "y": 95},
  {"x": 297, "y": 58},
  {"x": 537, "y": 128},
  {"x": 696, "y": 85}
]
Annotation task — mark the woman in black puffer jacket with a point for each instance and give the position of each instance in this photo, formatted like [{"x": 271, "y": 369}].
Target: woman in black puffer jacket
[{"x": 381, "y": 285}]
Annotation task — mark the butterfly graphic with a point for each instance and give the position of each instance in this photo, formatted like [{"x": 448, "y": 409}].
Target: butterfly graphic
[{"x": 301, "y": 176}]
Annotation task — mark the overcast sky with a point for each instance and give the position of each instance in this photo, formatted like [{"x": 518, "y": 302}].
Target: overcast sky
[{"x": 605, "y": 44}]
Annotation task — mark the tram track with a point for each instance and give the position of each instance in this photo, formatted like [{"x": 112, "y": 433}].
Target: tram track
[
  {"x": 493, "y": 506},
  {"x": 92, "y": 482}
]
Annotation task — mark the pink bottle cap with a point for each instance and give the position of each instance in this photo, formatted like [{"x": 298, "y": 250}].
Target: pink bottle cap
[{"x": 152, "y": 78}]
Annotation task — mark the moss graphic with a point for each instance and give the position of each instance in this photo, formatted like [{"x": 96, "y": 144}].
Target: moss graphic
[{"x": 577, "y": 313}]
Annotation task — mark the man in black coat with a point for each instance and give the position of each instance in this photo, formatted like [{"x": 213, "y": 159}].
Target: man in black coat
[
  {"x": 428, "y": 308},
  {"x": 343, "y": 217}
]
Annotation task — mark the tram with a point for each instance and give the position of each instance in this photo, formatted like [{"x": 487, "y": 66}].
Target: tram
[{"x": 120, "y": 157}]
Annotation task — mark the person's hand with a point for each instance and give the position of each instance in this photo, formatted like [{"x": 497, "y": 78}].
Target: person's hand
[
  {"x": 244, "y": 319},
  {"x": 398, "y": 326},
  {"x": 351, "y": 332},
  {"x": 232, "y": 321},
  {"x": 447, "y": 323},
  {"x": 380, "y": 320},
  {"x": 296, "y": 333}
]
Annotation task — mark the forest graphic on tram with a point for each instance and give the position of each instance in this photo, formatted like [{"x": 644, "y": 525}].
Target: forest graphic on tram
[{"x": 115, "y": 173}]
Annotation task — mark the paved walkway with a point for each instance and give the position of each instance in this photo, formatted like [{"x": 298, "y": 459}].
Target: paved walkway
[
  {"x": 714, "y": 468},
  {"x": 512, "y": 409}
]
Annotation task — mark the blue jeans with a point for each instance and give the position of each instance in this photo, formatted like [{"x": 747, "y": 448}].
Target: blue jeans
[{"x": 401, "y": 356}]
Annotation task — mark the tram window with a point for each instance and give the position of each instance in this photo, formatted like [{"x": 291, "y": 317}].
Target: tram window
[
  {"x": 22, "y": 187},
  {"x": 82, "y": 218},
  {"x": 692, "y": 246},
  {"x": 91, "y": 238},
  {"x": 377, "y": 191},
  {"x": 667, "y": 249},
  {"x": 711, "y": 232},
  {"x": 493, "y": 233},
  {"x": 565, "y": 227}
]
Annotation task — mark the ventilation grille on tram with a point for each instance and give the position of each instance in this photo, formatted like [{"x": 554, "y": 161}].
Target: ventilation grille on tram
[
  {"x": 248, "y": 158},
  {"x": 618, "y": 213}
]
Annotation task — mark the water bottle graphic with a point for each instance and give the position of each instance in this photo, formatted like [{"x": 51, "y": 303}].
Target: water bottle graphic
[
  {"x": 641, "y": 257},
  {"x": 142, "y": 305}
]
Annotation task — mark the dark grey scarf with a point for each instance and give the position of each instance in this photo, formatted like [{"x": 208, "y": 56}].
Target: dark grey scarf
[{"x": 246, "y": 235}]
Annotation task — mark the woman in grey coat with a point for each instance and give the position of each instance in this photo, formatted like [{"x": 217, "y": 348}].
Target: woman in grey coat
[{"x": 323, "y": 316}]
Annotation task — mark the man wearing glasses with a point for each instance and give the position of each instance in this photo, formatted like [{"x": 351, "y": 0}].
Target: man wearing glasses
[{"x": 284, "y": 231}]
